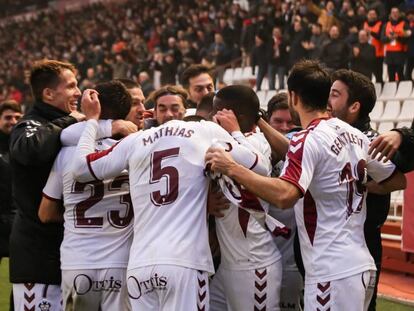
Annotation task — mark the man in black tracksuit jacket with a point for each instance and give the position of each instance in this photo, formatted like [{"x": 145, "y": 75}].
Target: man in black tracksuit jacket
[{"x": 34, "y": 144}]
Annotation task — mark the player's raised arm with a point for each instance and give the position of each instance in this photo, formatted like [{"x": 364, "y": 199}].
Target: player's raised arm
[
  {"x": 254, "y": 161},
  {"x": 277, "y": 141},
  {"x": 88, "y": 164},
  {"x": 387, "y": 177},
  {"x": 107, "y": 128},
  {"x": 273, "y": 190}
]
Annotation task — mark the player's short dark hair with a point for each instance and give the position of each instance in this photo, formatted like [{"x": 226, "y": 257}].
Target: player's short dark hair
[
  {"x": 129, "y": 84},
  {"x": 242, "y": 100},
  {"x": 115, "y": 100},
  {"x": 194, "y": 71},
  {"x": 277, "y": 102},
  {"x": 360, "y": 89},
  {"x": 10, "y": 105},
  {"x": 206, "y": 103},
  {"x": 311, "y": 82},
  {"x": 169, "y": 90},
  {"x": 46, "y": 74}
]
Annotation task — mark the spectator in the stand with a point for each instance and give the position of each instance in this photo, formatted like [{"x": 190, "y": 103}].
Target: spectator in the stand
[
  {"x": 316, "y": 42},
  {"x": 119, "y": 67},
  {"x": 373, "y": 26},
  {"x": 378, "y": 6},
  {"x": 168, "y": 67},
  {"x": 326, "y": 16},
  {"x": 260, "y": 58},
  {"x": 347, "y": 17},
  {"x": 172, "y": 47},
  {"x": 10, "y": 113},
  {"x": 277, "y": 59},
  {"x": 15, "y": 94},
  {"x": 247, "y": 38},
  {"x": 90, "y": 80},
  {"x": 146, "y": 83},
  {"x": 335, "y": 53},
  {"x": 198, "y": 81},
  {"x": 298, "y": 41},
  {"x": 363, "y": 56},
  {"x": 188, "y": 52},
  {"x": 220, "y": 53},
  {"x": 279, "y": 115},
  {"x": 410, "y": 43},
  {"x": 394, "y": 36},
  {"x": 227, "y": 33}
]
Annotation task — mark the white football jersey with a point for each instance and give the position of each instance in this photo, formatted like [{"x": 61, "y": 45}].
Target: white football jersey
[
  {"x": 168, "y": 187},
  {"x": 244, "y": 243},
  {"x": 328, "y": 162},
  {"x": 98, "y": 215}
]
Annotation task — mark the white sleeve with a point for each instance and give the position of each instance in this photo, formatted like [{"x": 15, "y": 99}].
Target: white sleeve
[
  {"x": 70, "y": 136},
  {"x": 53, "y": 190},
  {"x": 242, "y": 140},
  {"x": 378, "y": 170},
  {"x": 88, "y": 164},
  {"x": 252, "y": 160},
  {"x": 301, "y": 160}
]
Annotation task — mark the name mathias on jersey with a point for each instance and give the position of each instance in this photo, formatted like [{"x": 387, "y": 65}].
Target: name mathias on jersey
[{"x": 167, "y": 131}]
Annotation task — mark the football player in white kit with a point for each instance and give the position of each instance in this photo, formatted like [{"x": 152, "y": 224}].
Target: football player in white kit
[
  {"x": 170, "y": 257},
  {"x": 97, "y": 218},
  {"x": 250, "y": 273},
  {"x": 323, "y": 176}
]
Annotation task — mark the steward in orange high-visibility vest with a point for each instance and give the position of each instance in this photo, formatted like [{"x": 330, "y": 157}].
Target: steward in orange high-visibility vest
[
  {"x": 373, "y": 26},
  {"x": 394, "y": 37},
  {"x": 375, "y": 37}
]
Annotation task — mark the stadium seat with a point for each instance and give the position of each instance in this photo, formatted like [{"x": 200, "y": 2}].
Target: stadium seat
[
  {"x": 265, "y": 84},
  {"x": 378, "y": 88},
  {"x": 391, "y": 111},
  {"x": 404, "y": 124},
  {"x": 228, "y": 76},
  {"x": 407, "y": 111},
  {"x": 269, "y": 95},
  {"x": 238, "y": 75},
  {"x": 248, "y": 73},
  {"x": 385, "y": 127},
  {"x": 388, "y": 91},
  {"x": 376, "y": 113},
  {"x": 262, "y": 98},
  {"x": 404, "y": 90}
]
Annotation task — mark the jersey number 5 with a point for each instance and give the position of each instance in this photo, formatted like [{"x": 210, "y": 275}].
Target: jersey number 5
[{"x": 168, "y": 173}]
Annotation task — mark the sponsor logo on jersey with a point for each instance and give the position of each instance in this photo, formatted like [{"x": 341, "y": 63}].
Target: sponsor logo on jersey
[
  {"x": 155, "y": 282},
  {"x": 84, "y": 284}
]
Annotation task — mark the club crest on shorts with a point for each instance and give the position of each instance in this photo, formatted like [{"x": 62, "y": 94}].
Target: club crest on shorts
[{"x": 44, "y": 305}]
